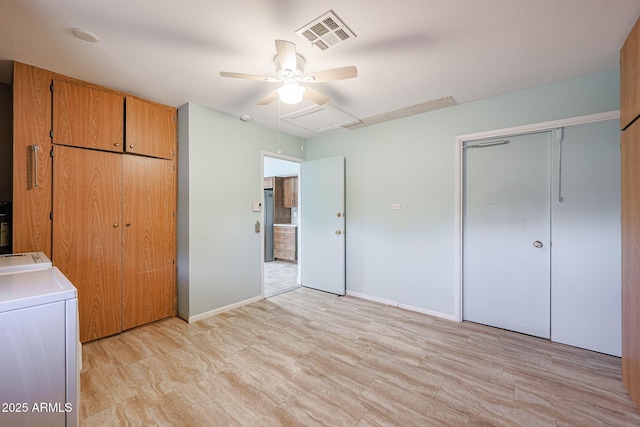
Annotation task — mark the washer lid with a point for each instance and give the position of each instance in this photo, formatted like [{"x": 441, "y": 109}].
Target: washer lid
[{"x": 31, "y": 288}]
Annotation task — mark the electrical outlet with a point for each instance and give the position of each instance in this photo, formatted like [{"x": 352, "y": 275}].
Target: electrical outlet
[{"x": 395, "y": 206}]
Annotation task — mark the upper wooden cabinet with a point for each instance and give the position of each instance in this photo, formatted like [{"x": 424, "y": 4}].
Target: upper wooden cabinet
[
  {"x": 150, "y": 129},
  {"x": 629, "y": 78},
  {"x": 290, "y": 187},
  {"x": 267, "y": 183},
  {"x": 87, "y": 117}
]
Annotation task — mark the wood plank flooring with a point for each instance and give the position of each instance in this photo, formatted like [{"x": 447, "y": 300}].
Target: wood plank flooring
[{"x": 307, "y": 358}]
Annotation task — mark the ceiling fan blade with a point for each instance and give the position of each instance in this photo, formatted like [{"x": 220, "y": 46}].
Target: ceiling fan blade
[
  {"x": 248, "y": 76},
  {"x": 286, "y": 54},
  {"x": 332, "y": 74},
  {"x": 269, "y": 98},
  {"x": 315, "y": 96}
]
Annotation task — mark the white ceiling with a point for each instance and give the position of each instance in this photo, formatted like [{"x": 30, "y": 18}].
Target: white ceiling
[{"x": 407, "y": 51}]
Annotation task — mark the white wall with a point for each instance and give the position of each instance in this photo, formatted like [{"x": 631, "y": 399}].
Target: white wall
[
  {"x": 219, "y": 176},
  {"x": 408, "y": 255}
]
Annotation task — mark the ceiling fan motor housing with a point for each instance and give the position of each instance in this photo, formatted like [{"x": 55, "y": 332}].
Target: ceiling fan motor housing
[{"x": 290, "y": 75}]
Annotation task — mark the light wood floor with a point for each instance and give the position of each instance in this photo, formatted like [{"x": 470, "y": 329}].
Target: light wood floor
[
  {"x": 279, "y": 277},
  {"x": 306, "y": 358}
]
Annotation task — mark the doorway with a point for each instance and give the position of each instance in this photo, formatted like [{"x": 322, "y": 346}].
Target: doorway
[{"x": 281, "y": 260}]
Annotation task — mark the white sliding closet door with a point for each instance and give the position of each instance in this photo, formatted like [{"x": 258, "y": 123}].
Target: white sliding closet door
[
  {"x": 506, "y": 258},
  {"x": 586, "y": 278}
]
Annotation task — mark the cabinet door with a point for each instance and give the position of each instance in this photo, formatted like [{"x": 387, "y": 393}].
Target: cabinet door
[
  {"x": 290, "y": 189},
  {"x": 630, "y": 77},
  {"x": 87, "y": 117},
  {"x": 87, "y": 234},
  {"x": 31, "y": 165},
  {"x": 294, "y": 191},
  {"x": 148, "y": 284},
  {"x": 151, "y": 129}
]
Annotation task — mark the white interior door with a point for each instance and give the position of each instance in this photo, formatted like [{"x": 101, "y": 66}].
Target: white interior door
[
  {"x": 322, "y": 239},
  {"x": 586, "y": 262},
  {"x": 506, "y": 255}
]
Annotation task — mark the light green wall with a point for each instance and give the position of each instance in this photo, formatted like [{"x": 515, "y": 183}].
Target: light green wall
[
  {"x": 219, "y": 176},
  {"x": 408, "y": 255}
]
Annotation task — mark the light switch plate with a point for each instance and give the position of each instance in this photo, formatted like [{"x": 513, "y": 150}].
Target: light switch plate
[
  {"x": 256, "y": 207},
  {"x": 395, "y": 206}
]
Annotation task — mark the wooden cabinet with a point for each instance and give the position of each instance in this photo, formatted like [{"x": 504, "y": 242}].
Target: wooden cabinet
[
  {"x": 87, "y": 117},
  {"x": 148, "y": 240},
  {"x": 150, "y": 129},
  {"x": 284, "y": 243},
  {"x": 87, "y": 238},
  {"x": 630, "y": 211},
  {"x": 32, "y": 196},
  {"x": 114, "y": 237},
  {"x": 630, "y": 78},
  {"x": 290, "y": 192},
  {"x": 281, "y": 215},
  {"x": 105, "y": 216}
]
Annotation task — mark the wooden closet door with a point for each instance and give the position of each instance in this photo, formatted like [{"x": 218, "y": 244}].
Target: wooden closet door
[
  {"x": 87, "y": 237},
  {"x": 31, "y": 165},
  {"x": 87, "y": 117},
  {"x": 148, "y": 284}
]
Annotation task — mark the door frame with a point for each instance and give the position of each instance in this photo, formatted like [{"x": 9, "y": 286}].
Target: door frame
[
  {"x": 459, "y": 181},
  {"x": 288, "y": 158}
]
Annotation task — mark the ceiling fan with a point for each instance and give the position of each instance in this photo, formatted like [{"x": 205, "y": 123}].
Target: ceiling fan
[{"x": 290, "y": 71}]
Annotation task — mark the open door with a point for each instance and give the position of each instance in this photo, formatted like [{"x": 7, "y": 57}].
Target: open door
[{"x": 322, "y": 240}]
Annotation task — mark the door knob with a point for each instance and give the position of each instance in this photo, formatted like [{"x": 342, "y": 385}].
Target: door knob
[
  {"x": 537, "y": 244},
  {"x": 338, "y": 232}
]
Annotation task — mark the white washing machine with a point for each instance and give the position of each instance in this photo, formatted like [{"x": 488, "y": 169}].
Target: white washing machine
[{"x": 39, "y": 378}]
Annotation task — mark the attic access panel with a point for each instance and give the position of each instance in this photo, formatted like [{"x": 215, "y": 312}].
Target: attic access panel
[
  {"x": 319, "y": 118},
  {"x": 326, "y": 31}
]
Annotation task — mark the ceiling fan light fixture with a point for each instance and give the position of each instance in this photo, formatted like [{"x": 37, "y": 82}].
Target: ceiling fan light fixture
[{"x": 291, "y": 93}]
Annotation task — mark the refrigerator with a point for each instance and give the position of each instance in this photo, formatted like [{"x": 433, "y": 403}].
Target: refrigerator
[
  {"x": 268, "y": 225},
  {"x": 39, "y": 377}
]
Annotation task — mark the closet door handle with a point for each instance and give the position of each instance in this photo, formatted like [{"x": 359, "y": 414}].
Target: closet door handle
[
  {"x": 35, "y": 150},
  {"x": 537, "y": 244}
]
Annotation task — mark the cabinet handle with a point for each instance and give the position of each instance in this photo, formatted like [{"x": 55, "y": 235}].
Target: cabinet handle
[
  {"x": 128, "y": 225},
  {"x": 131, "y": 146},
  {"x": 35, "y": 149},
  {"x": 115, "y": 225},
  {"x": 117, "y": 144}
]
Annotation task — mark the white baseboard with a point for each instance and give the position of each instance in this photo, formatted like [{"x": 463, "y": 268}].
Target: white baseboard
[
  {"x": 402, "y": 306},
  {"x": 372, "y": 298},
  {"x": 429, "y": 312},
  {"x": 204, "y": 315}
]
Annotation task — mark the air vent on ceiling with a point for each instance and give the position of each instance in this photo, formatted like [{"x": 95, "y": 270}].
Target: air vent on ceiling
[
  {"x": 326, "y": 31},
  {"x": 320, "y": 118}
]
